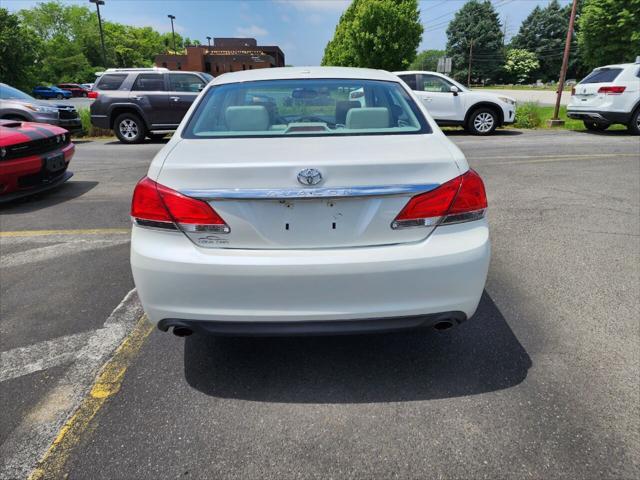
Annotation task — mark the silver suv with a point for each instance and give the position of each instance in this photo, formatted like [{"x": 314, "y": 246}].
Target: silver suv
[
  {"x": 143, "y": 102},
  {"x": 17, "y": 105}
]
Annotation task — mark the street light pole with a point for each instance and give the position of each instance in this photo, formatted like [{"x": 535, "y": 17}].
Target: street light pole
[
  {"x": 173, "y": 33},
  {"x": 104, "y": 52},
  {"x": 555, "y": 121}
]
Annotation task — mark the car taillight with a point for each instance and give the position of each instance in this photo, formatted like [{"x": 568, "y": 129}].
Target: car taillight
[
  {"x": 462, "y": 199},
  {"x": 92, "y": 94},
  {"x": 611, "y": 90},
  {"x": 155, "y": 205}
]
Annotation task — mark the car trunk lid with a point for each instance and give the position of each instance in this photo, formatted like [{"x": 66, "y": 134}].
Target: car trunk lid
[{"x": 253, "y": 185}]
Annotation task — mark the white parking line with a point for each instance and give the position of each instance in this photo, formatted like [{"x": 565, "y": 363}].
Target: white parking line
[
  {"x": 23, "y": 448},
  {"x": 69, "y": 247}
]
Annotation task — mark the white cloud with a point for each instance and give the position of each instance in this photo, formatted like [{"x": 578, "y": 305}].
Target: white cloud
[
  {"x": 317, "y": 5},
  {"x": 251, "y": 31}
]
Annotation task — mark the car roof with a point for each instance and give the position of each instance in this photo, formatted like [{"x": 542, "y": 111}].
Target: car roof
[
  {"x": 415, "y": 72},
  {"x": 285, "y": 73},
  {"x": 618, "y": 65}
]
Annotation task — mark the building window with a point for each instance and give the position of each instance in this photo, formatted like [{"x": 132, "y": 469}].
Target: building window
[
  {"x": 207, "y": 67},
  {"x": 217, "y": 68},
  {"x": 244, "y": 67},
  {"x": 231, "y": 67},
  {"x": 164, "y": 64},
  {"x": 179, "y": 66},
  {"x": 250, "y": 67}
]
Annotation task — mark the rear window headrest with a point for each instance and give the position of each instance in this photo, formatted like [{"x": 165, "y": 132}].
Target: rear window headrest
[
  {"x": 370, "y": 117},
  {"x": 250, "y": 118}
]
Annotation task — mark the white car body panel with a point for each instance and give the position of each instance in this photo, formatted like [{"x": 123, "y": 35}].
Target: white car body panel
[{"x": 260, "y": 272}]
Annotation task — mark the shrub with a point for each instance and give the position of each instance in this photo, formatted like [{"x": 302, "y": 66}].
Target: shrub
[{"x": 529, "y": 115}]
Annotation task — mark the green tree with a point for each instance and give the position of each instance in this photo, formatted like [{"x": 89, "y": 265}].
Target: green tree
[
  {"x": 544, "y": 32},
  {"x": 427, "y": 60},
  {"x": 520, "y": 64},
  {"x": 477, "y": 24},
  {"x": 376, "y": 34},
  {"x": 609, "y": 31},
  {"x": 19, "y": 52}
]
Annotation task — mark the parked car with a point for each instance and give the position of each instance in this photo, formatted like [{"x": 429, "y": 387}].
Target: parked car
[
  {"x": 349, "y": 218},
  {"x": 143, "y": 102},
  {"x": 76, "y": 89},
  {"x": 33, "y": 158},
  {"x": 87, "y": 86},
  {"x": 17, "y": 105},
  {"x": 607, "y": 96},
  {"x": 51, "y": 92},
  {"x": 452, "y": 104}
]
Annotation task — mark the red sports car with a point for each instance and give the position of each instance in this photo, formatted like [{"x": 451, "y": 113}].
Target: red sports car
[{"x": 33, "y": 157}]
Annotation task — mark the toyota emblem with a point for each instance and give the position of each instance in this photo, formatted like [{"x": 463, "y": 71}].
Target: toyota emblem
[{"x": 309, "y": 176}]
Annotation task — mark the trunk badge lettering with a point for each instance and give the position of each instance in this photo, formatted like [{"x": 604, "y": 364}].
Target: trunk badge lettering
[{"x": 309, "y": 176}]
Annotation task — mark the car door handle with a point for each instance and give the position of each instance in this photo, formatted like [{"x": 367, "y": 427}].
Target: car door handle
[
  {"x": 137, "y": 98},
  {"x": 175, "y": 99},
  {"x": 428, "y": 99}
]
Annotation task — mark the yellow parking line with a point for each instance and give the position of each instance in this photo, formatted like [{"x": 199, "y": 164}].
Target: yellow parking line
[
  {"x": 107, "y": 384},
  {"x": 84, "y": 231}
]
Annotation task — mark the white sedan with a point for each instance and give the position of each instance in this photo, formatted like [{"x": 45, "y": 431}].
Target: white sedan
[
  {"x": 280, "y": 207},
  {"x": 452, "y": 104}
]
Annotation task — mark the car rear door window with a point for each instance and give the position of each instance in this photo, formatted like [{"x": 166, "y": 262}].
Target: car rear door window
[
  {"x": 149, "y": 82},
  {"x": 602, "y": 75},
  {"x": 410, "y": 80},
  {"x": 185, "y": 82},
  {"x": 110, "y": 82}
]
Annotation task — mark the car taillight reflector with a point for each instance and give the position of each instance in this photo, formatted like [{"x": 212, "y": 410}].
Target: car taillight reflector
[
  {"x": 462, "y": 199},
  {"x": 155, "y": 205},
  {"x": 611, "y": 90},
  {"x": 92, "y": 94}
]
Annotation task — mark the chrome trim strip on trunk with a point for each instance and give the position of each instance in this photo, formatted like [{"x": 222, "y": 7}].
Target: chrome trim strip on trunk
[{"x": 321, "y": 192}]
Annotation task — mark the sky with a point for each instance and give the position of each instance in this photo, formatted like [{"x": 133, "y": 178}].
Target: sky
[{"x": 301, "y": 28}]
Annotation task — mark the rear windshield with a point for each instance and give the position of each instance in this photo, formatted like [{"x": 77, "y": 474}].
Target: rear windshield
[
  {"x": 110, "y": 81},
  {"x": 305, "y": 107},
  {"x": 602, "y": 75}
]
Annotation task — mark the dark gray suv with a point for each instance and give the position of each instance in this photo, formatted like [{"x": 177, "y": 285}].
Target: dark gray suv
[{"x": 143, "y": 102}]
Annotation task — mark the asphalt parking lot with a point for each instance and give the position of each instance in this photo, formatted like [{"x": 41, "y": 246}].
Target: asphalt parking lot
[{"x": 542, "y": 383}]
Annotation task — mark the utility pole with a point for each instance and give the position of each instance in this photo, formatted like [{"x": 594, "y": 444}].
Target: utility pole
[
  {"x": 104, "y": 52},
  {"x": 173, "y": 32},
  {"x": 470, "y": 59},
  {"x": 555, "y": 121}
]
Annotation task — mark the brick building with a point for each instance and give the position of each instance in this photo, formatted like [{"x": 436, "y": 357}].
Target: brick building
[{"x": 225, "y": 55}]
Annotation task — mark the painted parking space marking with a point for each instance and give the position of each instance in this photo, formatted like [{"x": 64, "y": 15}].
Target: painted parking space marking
[
  {"x": 33, "y": 438},
  {"x": 106, "y": 385},
  {"x": 41, "y": 356},
  {"x": 84, "y": 231}
]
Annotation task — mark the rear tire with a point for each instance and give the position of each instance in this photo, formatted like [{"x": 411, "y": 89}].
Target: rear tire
[
  {"x": 482, "y": 121},
  {"x": 595, "y": 126},
  {"x": 634, "y": 124},
  {"x": 129, "y": 128}
]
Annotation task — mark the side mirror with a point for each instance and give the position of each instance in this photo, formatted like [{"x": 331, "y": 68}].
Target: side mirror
[{"x": 454, "y": 90}]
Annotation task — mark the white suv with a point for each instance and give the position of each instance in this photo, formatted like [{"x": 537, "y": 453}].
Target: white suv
[
  {"x": 451, "y": 103},
  {"x": 608, "y": 95},
  {"x": 280, "y": 206}
]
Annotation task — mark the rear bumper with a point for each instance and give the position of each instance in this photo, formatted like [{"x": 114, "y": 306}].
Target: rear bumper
[
  {"x": 599, "y": 116},
  {"x": 311, "y": 291}
]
